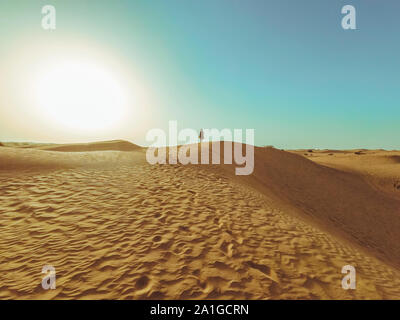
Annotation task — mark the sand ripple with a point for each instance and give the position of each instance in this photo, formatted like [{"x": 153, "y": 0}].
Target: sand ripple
[{"x": 167, "y": 232}]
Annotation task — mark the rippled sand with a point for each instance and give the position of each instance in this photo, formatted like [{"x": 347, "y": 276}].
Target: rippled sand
[{"x": 115, "y": 227}]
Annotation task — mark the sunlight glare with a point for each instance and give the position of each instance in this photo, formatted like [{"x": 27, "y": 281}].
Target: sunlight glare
[{"x": 80, "y": 96}]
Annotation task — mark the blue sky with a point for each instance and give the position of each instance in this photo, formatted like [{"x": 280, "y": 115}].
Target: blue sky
[{"x": 285, "y": 68}]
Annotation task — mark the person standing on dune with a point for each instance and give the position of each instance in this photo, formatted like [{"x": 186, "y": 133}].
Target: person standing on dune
[{"x": 201, "y": 135}]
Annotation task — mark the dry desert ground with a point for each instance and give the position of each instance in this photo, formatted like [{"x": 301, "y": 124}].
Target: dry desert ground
[{"x": 115, "y": 227}]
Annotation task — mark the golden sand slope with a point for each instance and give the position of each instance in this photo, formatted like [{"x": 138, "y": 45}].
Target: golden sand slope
[
  {"x": 116, "y": 227},
  {"x": 343, "y": 202},
  {"x": 380, "y": 167}
]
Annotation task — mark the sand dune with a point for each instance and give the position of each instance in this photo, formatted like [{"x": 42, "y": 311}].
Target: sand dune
[
  {"x": 379, "y": 167},
  {"x": 33, "y": 159},
  {"x": 115, "y": 145},
  {"x": 116, "y": 227},
  {"x": 112, "y": 145},
  {"x": 334, "y": 198}
]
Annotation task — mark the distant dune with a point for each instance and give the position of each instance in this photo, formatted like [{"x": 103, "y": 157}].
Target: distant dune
[
  {"x": 30, "y": 156},
  {"x": 115, "y": 145},
  {"x": 117, "y": 227}
]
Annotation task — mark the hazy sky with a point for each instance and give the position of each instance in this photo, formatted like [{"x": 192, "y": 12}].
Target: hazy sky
[{"x": 285, "y": 68}]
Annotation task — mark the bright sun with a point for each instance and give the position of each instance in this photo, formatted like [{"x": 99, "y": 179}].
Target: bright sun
[{"x": 80, "y": 96}]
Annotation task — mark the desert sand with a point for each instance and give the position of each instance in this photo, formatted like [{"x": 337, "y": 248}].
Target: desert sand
[{"x": 116, "y": 227}]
